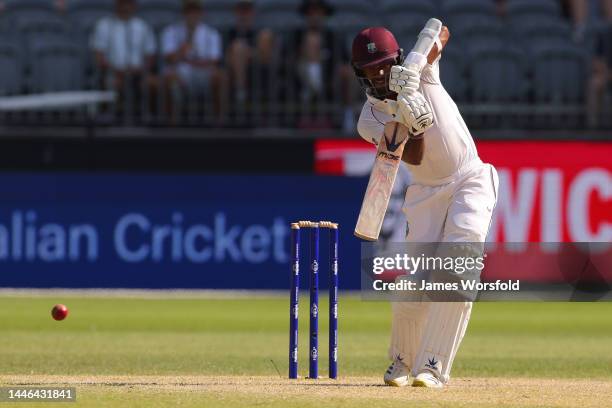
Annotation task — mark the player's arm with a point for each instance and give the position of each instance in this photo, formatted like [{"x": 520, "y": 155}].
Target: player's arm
[
  {"x": 405, "y": 79},
  {"x": 413, "y": 152},
  {"x": 436, "y": 51},
  {"x": 415, "y": 146},
  {"x": 369, "y": 127}
]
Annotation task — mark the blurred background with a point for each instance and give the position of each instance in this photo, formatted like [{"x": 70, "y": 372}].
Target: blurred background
[
  {"x": 283, "y": 64},
  {"x": 142, "y": 135}
]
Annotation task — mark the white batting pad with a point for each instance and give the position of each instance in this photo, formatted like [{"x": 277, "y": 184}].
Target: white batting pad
[
  {"x": 442, "y": 335},
  {"x": 407, "y": 324}
]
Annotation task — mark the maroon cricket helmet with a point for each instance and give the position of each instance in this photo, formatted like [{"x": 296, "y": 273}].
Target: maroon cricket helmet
[{"x": 375, "y": 50}]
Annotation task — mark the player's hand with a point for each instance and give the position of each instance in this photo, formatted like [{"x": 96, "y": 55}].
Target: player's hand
[
  {"x": 404, "y": 80},
  {"x": 416, "y": 112}
]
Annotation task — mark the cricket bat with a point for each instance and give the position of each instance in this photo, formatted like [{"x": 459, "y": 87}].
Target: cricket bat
[
  {"x": 377, "y": 195},
  {"x": 390, "y": 149}
]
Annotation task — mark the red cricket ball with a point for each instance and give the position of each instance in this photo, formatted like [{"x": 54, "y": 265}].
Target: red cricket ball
[{"x": 59, "y": 312}]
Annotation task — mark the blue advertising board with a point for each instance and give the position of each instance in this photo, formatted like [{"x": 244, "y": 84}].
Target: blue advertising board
[{"x": 167, "y": 231}]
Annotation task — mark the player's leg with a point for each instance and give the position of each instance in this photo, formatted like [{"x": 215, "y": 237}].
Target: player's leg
[
  {"x": 238, "y": 59},
  {"x": 407, "y": 323},
  {"x": 469, "y": 214},
  {"x": 468, "y": 220},
  {"x": 425, "y": 209},
  {"x": 442, "y": 334}
]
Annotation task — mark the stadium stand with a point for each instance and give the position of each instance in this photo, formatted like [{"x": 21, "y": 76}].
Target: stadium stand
[
  {"x": 11, "y": 69},
  {"x": 518, "y": 62}
]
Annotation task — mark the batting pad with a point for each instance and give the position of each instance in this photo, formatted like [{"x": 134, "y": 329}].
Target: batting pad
[
  {"x": 407, "y": 324},
  {"x": 442, "y": 335}
]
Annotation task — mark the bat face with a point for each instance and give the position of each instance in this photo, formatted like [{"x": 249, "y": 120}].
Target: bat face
[{"x": 382, "y": 178}]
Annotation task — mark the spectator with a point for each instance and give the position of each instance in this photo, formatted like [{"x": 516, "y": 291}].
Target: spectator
[
  {"x": 322, "y": 60},
  {"x": 601, "y": 77},
  {"x": 578, "y": 12},
  {"x": 501, "y": 8},
  {"x": 248, "y": 48},
  {"x": 192, "y": 52},
  {"x": 124, "y": 47},
  {"x": 60, "y": 5}
]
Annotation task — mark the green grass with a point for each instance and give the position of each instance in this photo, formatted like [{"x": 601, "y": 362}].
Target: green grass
[
  {"x": 208, "y": 336},
  {"x": 119, "y": 336}
]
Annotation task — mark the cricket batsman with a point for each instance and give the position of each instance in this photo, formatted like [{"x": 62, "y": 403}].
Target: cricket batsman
[{"x": 451, "y": 197}]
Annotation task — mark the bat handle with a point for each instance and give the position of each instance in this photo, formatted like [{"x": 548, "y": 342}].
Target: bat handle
[{"x": 429, "y": 35}]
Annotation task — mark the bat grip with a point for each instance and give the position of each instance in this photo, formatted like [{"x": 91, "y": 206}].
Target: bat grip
[{"x": 428, "y": 36}]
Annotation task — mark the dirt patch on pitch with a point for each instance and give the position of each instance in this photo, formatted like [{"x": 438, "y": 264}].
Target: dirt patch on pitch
[{"x": 472, "y": 392}]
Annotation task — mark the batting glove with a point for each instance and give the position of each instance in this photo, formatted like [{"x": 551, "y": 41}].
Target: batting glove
[
  {"x": 404, "y": 80},
  {"x": 416, "y": 112}
]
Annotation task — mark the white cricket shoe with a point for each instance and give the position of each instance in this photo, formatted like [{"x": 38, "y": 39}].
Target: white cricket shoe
[
  {"x": 397, "y": 375},
  {"x": 427, "y": 380}
]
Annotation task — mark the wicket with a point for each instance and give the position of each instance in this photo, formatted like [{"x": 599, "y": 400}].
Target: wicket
[{"x": 314, "y": 298}]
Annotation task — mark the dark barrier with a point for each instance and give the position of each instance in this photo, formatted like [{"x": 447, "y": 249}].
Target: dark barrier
[
  {"x": 225, "y": 153},
  {"x": 166, "y": 231}
]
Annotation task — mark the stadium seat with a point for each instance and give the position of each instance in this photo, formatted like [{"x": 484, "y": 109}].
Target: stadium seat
[
  {"x": 525, "y": 12},
  {"x": 457, "y": 12},
  {"x": 159, "y": 13},
  {"x": 592, "y": 31},
  {"x": 524, "y": 7},
  {"x": 58, "y": 67},
  {"x": 538, "y": 28},
  {"x": 279, "y": 14},
  {"x": 225, "y": 4},
  {"x": 478, "y": 24},
  {"x": 17, "y": 12},
  {"x": 479, "y": 36},
  {"x": 350, "y": 22},
  {"x": 541, "y": 30},
  {"x": 36, "y": 39},
  {"x": 105, "y": 4},
  {"x": 498, "y": 75},
  {"x": 13, "y": 5},
  {"x": 402, "y": 16},
  {"x": 280, "y": 20},
  {"x": 11, "y": 68},
  {"x": 559, "y": 74},
  {"x": 350, "y": 15},
  {"x": 168, "y": 4},
  {"x": 159, "y": 20},
  {"x": 220, "y": 13},
  {"x": 400, "y": 22},
  {"x": 469, "y": 6},
  {"x": 86, "y": 13},
  {"x": 485, "y": 42},
  {"x": 220, "y": 19},
  {"x": 264, "y": 6},
  {"x": 427, "y": 7},
  {"x": 39, "y": 23},
  {"x": 407, "y": 34},
  {"x": 361, "y": 6},
  {"x": 452, "y": 73}
]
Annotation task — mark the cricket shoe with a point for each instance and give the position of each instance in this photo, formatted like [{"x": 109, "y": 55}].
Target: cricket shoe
[
  {"x": 397, "y": 375},
  {"x": 427, "y": 380}
]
